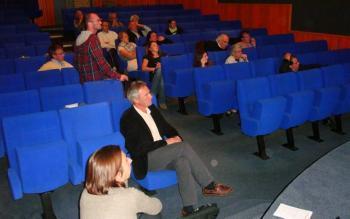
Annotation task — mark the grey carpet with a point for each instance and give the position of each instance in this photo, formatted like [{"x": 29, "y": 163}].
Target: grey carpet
[{"x": 256, "y": 182}]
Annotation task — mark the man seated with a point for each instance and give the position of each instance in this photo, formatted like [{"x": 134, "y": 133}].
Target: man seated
[
  {"x": 246, "y": 41},
  {"x": 57, "y": 61},
  {"x": 290, "y": 63},
  {"x": 220, "y": 44},
  {"x": 155, "y": 145},
  {"x": 152, "y": 36},
  {"x": 134, "y": 32},
  {"x": 144, "y": 29},
  {"x": 107, "y": 39},
  {"x": 114, "y": 20},
  {"x": 173, "y": 28}
]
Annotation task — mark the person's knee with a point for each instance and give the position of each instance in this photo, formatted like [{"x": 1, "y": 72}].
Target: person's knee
[{"x": 182, "y": 163}]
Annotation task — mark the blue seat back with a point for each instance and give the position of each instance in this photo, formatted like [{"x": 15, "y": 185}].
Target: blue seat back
[
  {"x": 36, "y": 80},
  {"x": 55, "y": 98},
  {"x": 283, "y": 84},
  {"x": 12, "y": 83},
  {"x": 203, "y": 76},
  {"x": 29, "y": 64},
  {"x": 310, "y": 79},
  {"x": 170, "y": 63},
  {"x": 103, "y": 91},
  {"x": 173, "y": 49},
  {"x": 17, "y": 52},
  {"x": 266, "y": 51},
  {"x": 238, "y": 71},
  {"x": 334, "y": 75},
  {"x": 251, "y": 53},
  {"x": 264, "y": 67}
]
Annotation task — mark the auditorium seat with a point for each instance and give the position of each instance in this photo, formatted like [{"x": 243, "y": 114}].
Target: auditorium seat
[
  {"x": 265, "y": 67},
  {"x": 261, "y": 113},
  {"x": 299, "y": 103},
  {"x": 325, "y": 98},
  {"x": 49, "y": 78},
  {"x": 70, "y": 76},
  {"x": 219, "y": 57},
  {"x": 251, "y": 53},
  {"x": 103, "y": 91},
  {"x": 29, "y": 64},
  {"x": 7, "y": 66},
  {"x": 173, "y": 49},
  {"x": 11, "y": 83},
  {"x": 36, "y": 152},
  {"x": 57, "y": 97},
  {"x": 17, "y": 52}
]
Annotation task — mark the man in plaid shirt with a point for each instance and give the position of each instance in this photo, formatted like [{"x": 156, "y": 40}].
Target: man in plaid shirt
[{"x": 89, "y": 59}]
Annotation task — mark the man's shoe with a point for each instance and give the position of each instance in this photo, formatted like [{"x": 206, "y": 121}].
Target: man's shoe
[
  {"x": 218, "y": 190},
  {"x": 210, "y": 211},
  {"x": 163, "y": 106}
]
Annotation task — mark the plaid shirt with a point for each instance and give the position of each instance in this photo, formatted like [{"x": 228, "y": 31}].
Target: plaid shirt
[{"x": 90, "y": 62}]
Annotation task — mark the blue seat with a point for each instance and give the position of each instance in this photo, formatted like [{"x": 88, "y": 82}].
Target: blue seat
[
  {"x": 17, "y": 52},
  {"x": 299, "y": 103},
  {"x": 40, "y": 37},
  {"x": 219, "y": 57},
  {"x": 36, "y": 80},
  {"x": 326, "y": 58},
  {"x": 173, "y": 49},
  {"x": 175, "y": 38},
  {"x": 343, "y": 55},
  {"x": 23, "y": 65},
  {"x": 251, "y": 53},
  {"x": 260, "y": 112},
  {"x": 17, "y": 103},
  {"x": 103, "y": 91},
  {"x": 26, "y": 28},
  {"x": 258, "y": 32},
  {"x": 274, "y": 39},
  {"x": 70, "y": 76},
  {"x": 2, "y": 53},
  {"x": 85, "y": 133},
  {"x": 37, "y": 153},
  {"x": 312, "y": 46},
  {"x": 325, "y": 98},
  {"x": 11, "y": 83},
  {"x": 6, "y": 29},
  {"x": 41, "y": 48},
  {"x": 335, "y": 76},
  {"x": 267, "y": 51},
  {"x": 55, "y": 98},
  {"x": 235, "y": 72},
  {"x": 7, "y": 66},
  {"x": 264, "y": 67},
  {"x": 308, "y": 58}
]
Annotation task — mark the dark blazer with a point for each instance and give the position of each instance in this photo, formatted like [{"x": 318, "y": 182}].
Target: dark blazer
[
  {"x": 179, "y": 31},
  {"x": 132, "y": 36},
  {"x": 212, "y": 46},
  {"x": 138, "y": 137}
]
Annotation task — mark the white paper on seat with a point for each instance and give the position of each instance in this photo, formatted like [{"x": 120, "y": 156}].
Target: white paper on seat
[
  {"x": 289, "y": 212},
  {"x": 73, "y": 105}
]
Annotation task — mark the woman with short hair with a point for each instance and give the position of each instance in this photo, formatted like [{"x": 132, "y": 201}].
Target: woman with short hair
[{"x": 106, "y": 194}]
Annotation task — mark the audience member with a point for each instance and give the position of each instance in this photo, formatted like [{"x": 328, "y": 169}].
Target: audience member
[
  {"x": 114, "y": 20},
  {"x": 173, "y": 28},
  {"x": 291, "y": 63},
  {"x": 127, "y": 51},
  {"x": 246, "y": 40},
  {"x": 151, "y": 63},
  {"x": 156, "y": 145},
  {"x": 106, "y": 194},
  {"x": 284, "y": 67},
  {"x": 134, "y": 32},
  {"x": 107, "y": 39},
  {"x": 56, "y": 55},
  {"x": 78, "y": 22},
  {"x": 236, "y": 55},
  {"x": 89, "y": 59},
  {"x": 220, "y": 44},
  {"x": 142, "y": 27},
  {"x": 201, "y": 56},
  {"x": 152, "y": 36}
]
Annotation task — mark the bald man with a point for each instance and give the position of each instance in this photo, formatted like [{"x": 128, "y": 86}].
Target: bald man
[
  {"x": 88, "y": 54},
  {"x": 220, "y": 44}
]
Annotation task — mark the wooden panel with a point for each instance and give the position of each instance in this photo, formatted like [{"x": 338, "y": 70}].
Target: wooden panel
[
  {"x": 334, "y": 41},
  {"x": 48, "y": 18}
]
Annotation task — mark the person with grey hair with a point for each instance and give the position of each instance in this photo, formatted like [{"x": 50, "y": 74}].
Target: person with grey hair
[
  {"x": 156, "y": 145},
  {"x": 141, "y": 27},
  {"x": 220, "y": 44},
  {"x": 236, "y": 55}
]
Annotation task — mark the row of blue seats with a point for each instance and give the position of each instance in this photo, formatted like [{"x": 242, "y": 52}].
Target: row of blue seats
[
  {"x": 19, "y": 28},
  {"x": 286, "y": 101},
  {"x": 71, "y": 136},
  {"x": 28, "y": 38},
  {"x": 18, "y": 50},
  {"x": 35, "y": 80},
  {"x": 26, "y": 64}
]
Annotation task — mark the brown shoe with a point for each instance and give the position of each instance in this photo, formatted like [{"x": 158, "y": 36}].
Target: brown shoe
[{"x": 219, "y": 190}]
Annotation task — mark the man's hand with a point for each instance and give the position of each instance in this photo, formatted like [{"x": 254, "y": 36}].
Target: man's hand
[
  {"x": 124, "y": 78},
  {"x": 173, "y": 140}
]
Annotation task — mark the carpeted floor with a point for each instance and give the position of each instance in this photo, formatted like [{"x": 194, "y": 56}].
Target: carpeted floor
[{"x": 229, "y": 158}]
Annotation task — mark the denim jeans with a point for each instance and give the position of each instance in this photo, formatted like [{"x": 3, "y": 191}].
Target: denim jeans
[{"x": 158, "y": 86}]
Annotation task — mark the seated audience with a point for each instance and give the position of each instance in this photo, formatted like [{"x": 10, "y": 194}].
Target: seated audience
[
  {"x": 236, "y": 55},
  {"x": 156, "y": 145},
  {"x": 201, "y": 56},
  {"x": 173, "y": 28},
  {"x": 291, "y": 63},
  {"x": 152, "y": 36},
  {"x": 88, "y": 54},
  {"x": 151, "y": 63},
  {"x": 246, "y": 40},
  {"x": 142, "y": 27},
  {"x": 114, "y": 20},
  {"x": 134, "y": 32},
  {"x": 220, "y": 44},
  {"x": 78, "y": 22},
  {"x": 127, "y": 51},
  {"x": 56, "y": 55},
  {"x": 107, "y": 39},
  {"x": 284, "y": 67},
  {"x": 106, "y": 193}
]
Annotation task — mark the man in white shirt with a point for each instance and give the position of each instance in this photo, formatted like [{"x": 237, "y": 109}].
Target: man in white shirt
[{"x": 107, "y": 40}]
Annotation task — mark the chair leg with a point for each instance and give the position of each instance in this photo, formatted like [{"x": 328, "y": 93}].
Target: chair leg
[
  {"x": 316, "y": 132},
  {"x": 290, "y": 140},
  {"x": 261, "y": 148},
  {"x": 48, "y": 212},
  {"x": 338, "y": 125},
  {"x": 182, "y": 106},
  {"x": 216, "y": 123}
]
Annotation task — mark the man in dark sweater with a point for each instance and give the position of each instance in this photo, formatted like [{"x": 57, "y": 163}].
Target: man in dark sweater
[
  {"x": 155, "y": 145},
  {"x": 220, "y": 44}
]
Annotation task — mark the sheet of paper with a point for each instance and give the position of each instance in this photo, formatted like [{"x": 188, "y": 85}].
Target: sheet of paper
[
  {"x": 289, "y": 212},
  {"x": 73, "y": 105}
]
